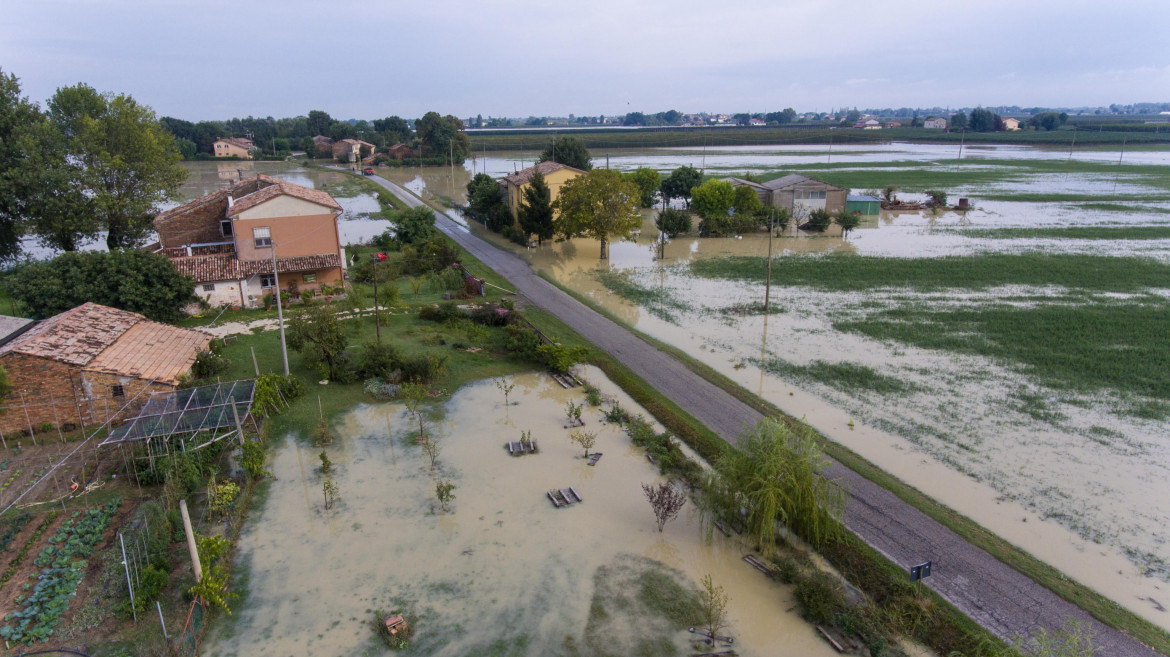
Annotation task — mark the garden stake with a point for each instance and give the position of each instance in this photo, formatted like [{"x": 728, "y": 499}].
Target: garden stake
[{"x": 126, "y": 564}]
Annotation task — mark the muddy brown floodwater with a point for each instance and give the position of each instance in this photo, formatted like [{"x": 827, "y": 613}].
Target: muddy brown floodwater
[{"x": 505, "y": 571}]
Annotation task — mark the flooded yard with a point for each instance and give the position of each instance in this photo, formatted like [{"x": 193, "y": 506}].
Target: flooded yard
[
  {"x": 502, "y": 573},
  {"x": 1076, "y": 475}
]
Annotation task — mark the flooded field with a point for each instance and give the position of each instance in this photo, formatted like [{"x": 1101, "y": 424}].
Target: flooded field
[
  {"x": 502, "y": 573},
  {"x": 1078, "y": 477}
]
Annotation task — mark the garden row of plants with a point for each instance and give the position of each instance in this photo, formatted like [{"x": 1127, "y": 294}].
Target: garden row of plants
[
  {"x": 12, "y": 528},
  {"x": 64, "y": 566},
  {"x": 24, "y": 549}
]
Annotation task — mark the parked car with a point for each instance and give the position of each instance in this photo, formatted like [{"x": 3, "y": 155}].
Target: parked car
[{"x": 368, "y": 171}]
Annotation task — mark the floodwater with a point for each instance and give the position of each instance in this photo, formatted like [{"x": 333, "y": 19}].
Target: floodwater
[
  {"x": 504, "y": 570},
  {"x": 1085, "y": 488}
]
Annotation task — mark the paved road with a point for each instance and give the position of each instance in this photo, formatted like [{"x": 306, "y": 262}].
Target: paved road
[{"x": 993, "y": 594}]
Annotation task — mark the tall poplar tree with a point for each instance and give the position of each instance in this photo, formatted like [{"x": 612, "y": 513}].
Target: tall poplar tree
[{"x": 536, "y": 211}]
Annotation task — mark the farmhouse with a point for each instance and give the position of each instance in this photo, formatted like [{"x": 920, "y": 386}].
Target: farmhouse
[
  {"x": 352, "y": 149},
  {"x": 935, "y": 123},
  {"x": 1011, "y": 125},
  {"x": 228, "y": 239},
  {"x": 322, "y": 146},
  {"x": 798, "y": 194},
  {"x": 84, "y": 364},
  {"x": 400, "y": 151},
  {"x": 234, "y": 147},
  {"x": 555, "y": 175}
]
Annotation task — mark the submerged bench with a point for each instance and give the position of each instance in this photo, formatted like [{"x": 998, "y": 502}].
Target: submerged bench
[
  {"x": 594, "y": 458},
  {"x": 564, "y": 496}
]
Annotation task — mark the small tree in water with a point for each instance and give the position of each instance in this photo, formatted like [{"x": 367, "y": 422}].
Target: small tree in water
[
  {"x": 443, "y": 492},
  {"x": 665, "y": 500},
  {"x": 413, "y": 395},
  {"x": 505, "y": 386},
  {"x": 847, "y": 221},
  {"x": 573, "y": 412},
  {"x": 329, "y": 489},
  {"x": 326, "y": 464},
  {"x": 713, "y": 600},
  {"x": 431, "y": 449},
  {"x": 585, "y": 439}
]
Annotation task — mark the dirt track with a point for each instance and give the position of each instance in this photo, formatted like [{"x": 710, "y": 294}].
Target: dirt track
[{"x": 993, "y": 594}]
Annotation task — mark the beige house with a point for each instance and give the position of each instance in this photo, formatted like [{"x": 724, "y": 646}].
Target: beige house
[
  {"x": 352, "y": 149},
  {"x": 935, "y": 123},
  {"x": 1011, "y": 125},
  {"x": 82, "y": 366},
  {"x": 234, "y": 147},
  {"x": 227, "y": 240},
  {"x": 798, "y": 194},
  {"x": 555, "y": 176}
]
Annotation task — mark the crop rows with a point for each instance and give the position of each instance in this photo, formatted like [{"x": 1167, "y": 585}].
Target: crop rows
[
  {"x": 63, "y": 569},
  {"x": 19, "y": 558},
  {"x": 14, "y": 526}
]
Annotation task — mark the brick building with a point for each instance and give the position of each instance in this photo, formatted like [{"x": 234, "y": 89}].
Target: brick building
[
  {"x": 85, "y": 364},
  {"x": 226, "y": 240}
]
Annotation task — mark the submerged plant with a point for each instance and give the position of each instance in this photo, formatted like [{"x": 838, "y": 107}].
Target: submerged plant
[
  {"x": 584, "y": 439},
  {"x": 505, "y": 386},
  {"x": 665, "y": 500},
  {"x": 329, "y": 489},
  {"x": 444, "y": 493}
]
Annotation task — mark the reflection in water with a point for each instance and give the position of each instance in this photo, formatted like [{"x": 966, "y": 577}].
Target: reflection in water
[{"x": 496, "y": 568}]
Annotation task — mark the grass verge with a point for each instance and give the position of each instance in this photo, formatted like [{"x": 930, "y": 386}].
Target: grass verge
[{"x": 1072, "y": 233}]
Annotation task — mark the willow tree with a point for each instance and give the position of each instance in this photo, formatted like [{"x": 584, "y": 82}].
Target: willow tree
[
  {"x": 774, "y": 477},
  {"x": 599, "y": 204}
]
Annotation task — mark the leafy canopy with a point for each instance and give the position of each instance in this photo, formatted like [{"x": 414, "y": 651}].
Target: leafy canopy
[
  {"x": 713, "y": 198},
  {"x": 647, "y": 181},
  {"x": 136, "y": 281},
  {"x": 680, "y": 182},
  {"x": 320, "y": 338},
  {"x": 600, "y": 205},
  {"x": 569, "y": 151}
]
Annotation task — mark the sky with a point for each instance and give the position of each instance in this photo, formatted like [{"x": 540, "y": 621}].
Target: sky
[{"x": 369, "y": 59}]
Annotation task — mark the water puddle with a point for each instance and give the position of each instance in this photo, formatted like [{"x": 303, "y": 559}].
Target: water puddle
[{"x": 504, "y": 571}]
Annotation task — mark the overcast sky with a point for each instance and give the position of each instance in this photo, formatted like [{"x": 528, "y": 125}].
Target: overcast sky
[{"x": 369, "y": 59}]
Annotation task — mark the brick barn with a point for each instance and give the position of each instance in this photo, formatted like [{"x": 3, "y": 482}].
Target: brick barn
[{"x": 86, "y": 364}]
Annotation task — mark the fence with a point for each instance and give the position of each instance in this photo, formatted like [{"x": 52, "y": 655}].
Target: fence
[{"x": 48, "y": 419}]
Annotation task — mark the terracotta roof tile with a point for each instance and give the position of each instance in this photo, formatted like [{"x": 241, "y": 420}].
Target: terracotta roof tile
[
  {"x": 212, "y": 268},
  {"x": 278, "y": 188},
  {"x": 75, "y": 336},
  {"x": 151, "y": 351},
  {"x": 238, "y": 141},
  {"x": 545, "y": 168}
]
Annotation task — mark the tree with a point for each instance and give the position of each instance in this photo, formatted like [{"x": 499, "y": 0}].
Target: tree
[
  {"x": 773, "y": 477},
  {"x": 1048, "y": 120},
  {"x": 414, "y": 225},
  {"x": 443, "y": 493},
  {"x": 747, "y": 202},
  {"x": 665, "y": 500},
  {"x": 441, "y": 136},
  {"x": 680, "y": 182},
  {"x": 128, "y": 163},
  {"x": 320, "y": 123},
  {"x": 430, "y": 447},
  {"x": 395, "y": 129},
  {"x": 505, "y": 387},
  {"x": 137, "y": 281},
  {"x": 647, "y": 181},
  {"x": 485, "y": 204},
  {"x": 413, "y": 395},
  {"x": 984, "y": 120},
  {"x": 819, "y": 220},
  {"x": 569, "y": 151},
  {"x": 536, "y": 212},
  {"x": 329, "y": 489},
  {"x": 673, "y": 222},
  {"x": 319, "y": 336},
  {"x": 713, "y": 601},
  {"x": 848, "y": 221},
  {"x": 713, "y": 199},
  {"x": 959, "y": 121},
  {"x": 585, "y": 439},
  {"x": 599, "y": 205},
  {"x": 938, "y": 198}
]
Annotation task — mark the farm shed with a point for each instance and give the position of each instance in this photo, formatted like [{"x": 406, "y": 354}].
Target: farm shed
[{"x": 866, "y": 205}]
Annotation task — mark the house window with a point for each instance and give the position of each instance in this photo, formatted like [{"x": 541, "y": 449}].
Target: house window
[
  {"x": 263, "y": 237},
  {"x": 225, "y": 227},
  {"x": 209, "y": 287},
  {"x": 310, "y": 278},
  {"x": 267, "y": 281},
  {"x": 117, "y": 391}
]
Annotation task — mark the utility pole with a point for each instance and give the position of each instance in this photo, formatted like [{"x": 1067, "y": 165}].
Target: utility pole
[
  {"x": 768, "y": 285},
  {"x": 279, "y": 311},
  {"x": 377, "y": 318},
  {"x": 1073, "y": 144},
  {"x": 962, "y": 138}
]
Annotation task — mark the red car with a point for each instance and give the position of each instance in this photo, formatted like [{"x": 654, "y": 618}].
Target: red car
[{"x": 368, "y": 171}]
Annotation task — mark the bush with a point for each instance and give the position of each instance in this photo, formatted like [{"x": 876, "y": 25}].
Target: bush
[
  {"x": 132, "y": 280},
  {"x": 447, "y": 279},
  {"x": 252, "y": 458},
  {"x": 559, "y": 358},
  {"x": 820, "y": 598},
  {"x": 209, "y": 364},
  {"x": 492, "y": 315},
  {"x": 818, "y": 221},
  {"x": 378, "y": 360},
  {"x": 673, "y": 222},
  {"x": 439, "y": 312},
  {"x": 522, "y": 341},
  {"x": 423, "y": 368}
]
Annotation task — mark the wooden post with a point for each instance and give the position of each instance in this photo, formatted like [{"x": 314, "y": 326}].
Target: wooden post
[
  {"x": 255, "y": 365},
  {"x": 2, "y": 441},
  {"x": 31, "y": 434},
  {"x": 158, "y": 605},
  {"x": 191, "y": 541},
  {"x": 56, "y": 418},
  {"x": 239, "y": 427}
]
